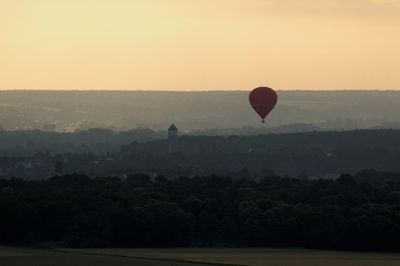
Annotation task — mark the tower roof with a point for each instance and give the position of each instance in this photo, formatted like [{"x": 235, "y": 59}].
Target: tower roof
[{"x": 172, "y": 128}]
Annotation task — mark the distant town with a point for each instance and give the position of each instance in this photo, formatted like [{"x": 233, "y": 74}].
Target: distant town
[{"x": 103, "y": 152}]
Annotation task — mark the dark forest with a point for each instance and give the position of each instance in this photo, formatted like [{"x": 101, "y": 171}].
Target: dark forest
[{"x": 353, "y": 212}]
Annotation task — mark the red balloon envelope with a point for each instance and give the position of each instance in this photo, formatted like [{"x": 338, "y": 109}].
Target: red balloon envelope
[{"x": 263, "y": 100}]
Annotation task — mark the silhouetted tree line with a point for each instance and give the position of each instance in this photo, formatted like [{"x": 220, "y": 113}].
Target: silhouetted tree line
[{"x": 357, "y": 212}]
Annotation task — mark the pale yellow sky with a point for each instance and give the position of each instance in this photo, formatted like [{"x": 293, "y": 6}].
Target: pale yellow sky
[{"x": 199, "y": 44}]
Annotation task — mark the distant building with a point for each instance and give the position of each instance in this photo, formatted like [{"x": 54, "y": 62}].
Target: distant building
[{"x": 172, "y": 139}]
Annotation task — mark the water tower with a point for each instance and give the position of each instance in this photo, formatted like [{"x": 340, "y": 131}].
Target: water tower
[{"x": 172, "y": 139}]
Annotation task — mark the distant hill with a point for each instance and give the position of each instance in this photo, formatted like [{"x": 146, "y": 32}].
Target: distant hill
[{"x": 194, "y": 111}]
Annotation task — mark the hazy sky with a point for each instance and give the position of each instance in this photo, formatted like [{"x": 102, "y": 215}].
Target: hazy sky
[{"x": 199, "y": 44}]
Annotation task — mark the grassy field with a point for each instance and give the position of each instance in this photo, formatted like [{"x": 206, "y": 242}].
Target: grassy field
[
  {"x": 35, "y": 257},
  {"x": 192, "y": 257},
  {"x": 262, "y": 257}
]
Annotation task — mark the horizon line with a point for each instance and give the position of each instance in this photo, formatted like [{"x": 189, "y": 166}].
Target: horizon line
[{"x": 216, "y": 90}]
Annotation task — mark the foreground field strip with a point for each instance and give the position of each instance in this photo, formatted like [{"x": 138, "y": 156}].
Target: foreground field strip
[
  {"x": 160, "y": 259},
  {"x": 12, "y": 256},
  {"x": 16, "y": 252},
  {"x": 50, "y": 257},
  {"x": 260, "y": 257}
]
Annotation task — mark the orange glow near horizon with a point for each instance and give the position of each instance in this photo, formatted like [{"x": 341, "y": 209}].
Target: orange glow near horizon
[{"x": 199, "y": 45}]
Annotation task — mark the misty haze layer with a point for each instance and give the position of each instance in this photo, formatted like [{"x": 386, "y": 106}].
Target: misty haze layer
[{"x": 194, "y": 111}]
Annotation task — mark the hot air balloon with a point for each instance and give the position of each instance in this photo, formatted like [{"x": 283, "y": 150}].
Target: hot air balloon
[{"x": 263, "y": 100}]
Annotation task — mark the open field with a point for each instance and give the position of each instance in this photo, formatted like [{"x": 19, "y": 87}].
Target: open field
[
  {"x": 260, "y": 257},
  {"x": 36, "y": 257},
  {"x": 192, "y": 257}
]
